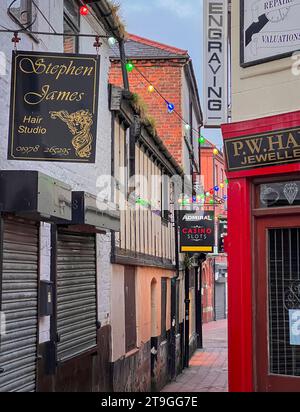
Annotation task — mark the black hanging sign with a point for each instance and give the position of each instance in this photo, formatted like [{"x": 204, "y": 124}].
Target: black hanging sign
[
  {"x": 54, "y": 105},
  {"x": 261, "y": 150},
  {"x": 223, "y": 229},
  {"x": 197, "y": 231}
]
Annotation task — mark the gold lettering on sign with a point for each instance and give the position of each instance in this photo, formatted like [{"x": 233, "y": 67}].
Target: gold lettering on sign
[
  {"x": 291, "y": 142},
  {"x": 254, "y": 145},
  {"x": 34, "y": 98},
  {"x": 263, "y": 150},
  {"x": 276, "y": 143},
  {"x": 237, "y": 146},
  {"x": 28, "y": 66}
]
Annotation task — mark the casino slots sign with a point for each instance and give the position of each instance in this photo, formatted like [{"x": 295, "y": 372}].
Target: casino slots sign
[
  {"x": 197, "y": 232},
  {"x": 54, "y": 105}
]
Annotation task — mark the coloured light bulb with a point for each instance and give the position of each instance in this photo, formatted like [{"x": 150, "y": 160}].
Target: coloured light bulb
[
  {"x": 84, "y": 11},
  {"x": 171, "y": 107},
  {"x": 129, "y": 67},
  {"x": 151, "y": 88}
]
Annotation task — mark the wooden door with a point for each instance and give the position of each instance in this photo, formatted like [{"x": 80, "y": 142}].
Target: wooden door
[
  {"x": 277, "y": 304},
  {"x": 130, "y": 308}
]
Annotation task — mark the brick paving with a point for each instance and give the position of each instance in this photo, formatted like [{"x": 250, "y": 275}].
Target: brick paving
[{"x": 208, "y": 371}]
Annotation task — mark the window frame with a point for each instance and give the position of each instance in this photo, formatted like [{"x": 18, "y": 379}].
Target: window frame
[{"x": 74, "y": 27}]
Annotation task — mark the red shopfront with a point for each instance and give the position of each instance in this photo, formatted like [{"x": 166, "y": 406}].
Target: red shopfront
[{"x": 263, "y": 166}]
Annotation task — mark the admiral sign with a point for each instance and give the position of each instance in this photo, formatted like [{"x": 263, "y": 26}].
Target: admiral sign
[
  {"x": 269, "y": 30},
  {"x": 215, "y": 62},
  {"x": 197, "y": 232},
  {"x": 54, "y": 105},
  {"x": 269, "y": 149}
]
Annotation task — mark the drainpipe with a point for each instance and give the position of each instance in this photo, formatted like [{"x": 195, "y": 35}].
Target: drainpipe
[
  {"x": 103, "y": 10},
  {"x": 187, "y": 318},
  {"x": 123, "y": 65},
  {"x": 214, "y": 286},
  {"x": 198, "y": 300},
  {"x": 173, "y": 299}
]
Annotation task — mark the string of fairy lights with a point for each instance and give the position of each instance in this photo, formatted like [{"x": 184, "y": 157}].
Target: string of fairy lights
[
  {"x": 131, "y": 67},
  {"x": 207, "y": 198}
]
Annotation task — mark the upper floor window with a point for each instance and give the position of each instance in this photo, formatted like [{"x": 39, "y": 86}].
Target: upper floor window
[
  {"x": 71, "y": 26},
  {"x": 21, "y": 11}
]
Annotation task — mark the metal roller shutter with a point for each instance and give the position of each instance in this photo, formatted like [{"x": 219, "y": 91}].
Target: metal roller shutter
[
  {"x": 76, "y": 294},
  {"x": 220, "y": 301},
  {"x": 19, "y": 302}
]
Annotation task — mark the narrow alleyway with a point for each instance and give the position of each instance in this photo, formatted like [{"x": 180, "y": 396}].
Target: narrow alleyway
[{"x": 208, "y": 367}]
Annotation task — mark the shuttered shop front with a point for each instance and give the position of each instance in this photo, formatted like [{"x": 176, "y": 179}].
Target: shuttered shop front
[
  {"x": 19, "y": 303},
  {"x": 76, "y": 294}
]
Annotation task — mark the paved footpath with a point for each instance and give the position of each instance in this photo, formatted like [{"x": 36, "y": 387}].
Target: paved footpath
[{"x": 208, "y": 367}]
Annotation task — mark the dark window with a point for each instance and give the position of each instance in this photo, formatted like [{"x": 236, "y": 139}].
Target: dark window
[
  {"x": 130, "y": 308},
  {"x": 284, "y": 301},
  {"x": 71, "y": 26},
  {"x": 21, "y": 12},
  {"x": 163, "y": 308}
]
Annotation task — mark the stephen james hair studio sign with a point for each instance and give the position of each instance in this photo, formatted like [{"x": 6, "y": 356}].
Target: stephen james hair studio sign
[{"x": 54, "y": 104}]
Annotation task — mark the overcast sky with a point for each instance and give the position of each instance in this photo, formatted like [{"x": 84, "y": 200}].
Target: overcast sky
[{"x": 177, "y": 23}]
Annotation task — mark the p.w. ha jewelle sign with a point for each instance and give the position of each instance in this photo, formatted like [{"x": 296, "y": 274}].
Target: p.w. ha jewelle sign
[
  {"x": 268, "y": 149},
  {"x": 54, "y": 105}
]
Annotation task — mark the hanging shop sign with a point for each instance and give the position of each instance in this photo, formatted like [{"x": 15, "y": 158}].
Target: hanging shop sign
[
  {"x": 269, "y": 30},
  {"x": 223, "y": 231},
  {"x": 215, "y": 62},
  {"x": 54, "y": 105},
  {"x": 197, "y": 231},
  {"x": 268, "y": 149}
]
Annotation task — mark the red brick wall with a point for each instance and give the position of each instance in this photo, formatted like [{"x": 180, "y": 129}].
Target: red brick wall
[{"x": 166, "y": 76}]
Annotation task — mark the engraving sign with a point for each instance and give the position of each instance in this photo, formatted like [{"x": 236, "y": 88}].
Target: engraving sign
[
  {"x": 215, "y": 62},
  {"x": 197, "y": 232},
  {"x": 269, "y": 149},
  {"x": 54, "y": 104}
]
